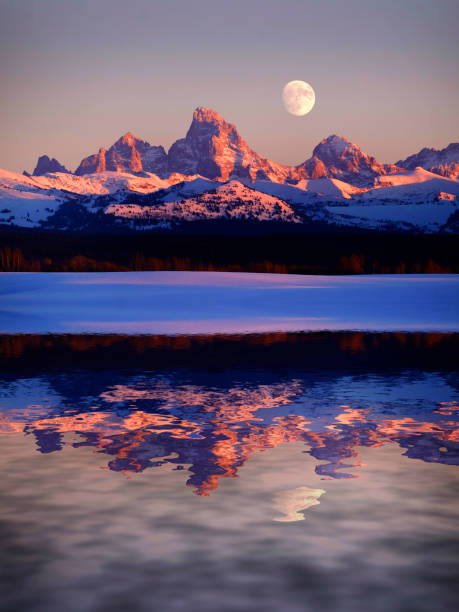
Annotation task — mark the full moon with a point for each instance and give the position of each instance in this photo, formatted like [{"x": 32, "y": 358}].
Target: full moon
[{"x": 298, "y": 98}]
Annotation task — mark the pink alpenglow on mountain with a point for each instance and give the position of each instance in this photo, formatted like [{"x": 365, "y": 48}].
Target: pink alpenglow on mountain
[
  {"x": 128, "y": 154},
  {"x": 213, "y": 175},
  {"x": 213, "y": 148},
  {"x": 337, "y": 157},
  {"x": 93, "y": 163},
  {"x": 204, "y": 200},
  {"x": 440, "y": 161}
]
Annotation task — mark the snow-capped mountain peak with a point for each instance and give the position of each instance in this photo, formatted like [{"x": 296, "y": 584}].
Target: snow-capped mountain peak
[
  {"x": 440, "y": 161},
  {"x": 213, "y": 173},
  {"x": 335, "y": 145},
  {"x": 337, "y": 157},
  {"x": 214, "y": 149}
]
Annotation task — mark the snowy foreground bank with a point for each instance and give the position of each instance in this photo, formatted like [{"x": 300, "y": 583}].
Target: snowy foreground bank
[{"x": 217, "y": 302}]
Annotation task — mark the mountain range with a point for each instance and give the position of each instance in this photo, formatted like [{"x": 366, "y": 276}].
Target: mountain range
[
  {"x": 214, "y": 149},
  {"x": 213, "y": 175}
]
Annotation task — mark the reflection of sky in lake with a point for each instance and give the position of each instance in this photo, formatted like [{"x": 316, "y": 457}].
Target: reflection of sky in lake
[
  {"x": 330, "y": 486},
  {"x": 224, "y": 302}
]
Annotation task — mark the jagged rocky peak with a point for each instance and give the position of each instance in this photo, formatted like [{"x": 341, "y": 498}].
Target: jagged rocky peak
[
  {"x": 427, "y": 156},
  {"x": 208, "y": 123},
  {"x": 93, "y": 163},
  {"x": 334, "y": 143},
  {"x": 213, "y": 148},
  {"x": 129, "y": 139},
  {"x": 46, "y": 164},
  {"x": 335, "y": 148},
  {"x": 312, "y": 168},
  {"x": 127, "y": 154},
  {"x": 207, "y": 115},
  {"x": 440, "y": 161},
  {"x": 338, "y": 157}
]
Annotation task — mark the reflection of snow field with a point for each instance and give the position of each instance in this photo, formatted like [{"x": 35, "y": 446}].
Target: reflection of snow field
[{"x": 291, "y": 503}]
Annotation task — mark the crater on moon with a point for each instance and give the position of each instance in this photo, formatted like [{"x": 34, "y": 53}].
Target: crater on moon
[{"x": 298, "y": 98}]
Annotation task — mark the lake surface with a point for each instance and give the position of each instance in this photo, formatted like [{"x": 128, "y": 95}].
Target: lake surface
[
  {"x": 225, "y": 302},
  {"x": 303, "y": 458},
  {"x": 308, "y": 471}
]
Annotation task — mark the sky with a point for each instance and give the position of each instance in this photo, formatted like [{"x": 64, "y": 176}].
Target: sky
[{"x": 77, "y": 74}]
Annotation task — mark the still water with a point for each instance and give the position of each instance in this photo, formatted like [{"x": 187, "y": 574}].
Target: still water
[{"x": 306, "y": 471}]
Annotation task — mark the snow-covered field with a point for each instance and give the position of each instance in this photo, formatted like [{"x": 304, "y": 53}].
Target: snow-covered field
[{"x": 217, "y": 302}]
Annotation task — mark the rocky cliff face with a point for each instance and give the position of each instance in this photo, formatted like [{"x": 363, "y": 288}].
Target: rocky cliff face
[
  {"x": 213, "y": 148},
  {"x": 441, "y": 161},
  {"x": 450, "y": 170},
  {"x": 337, "y": 157},
  {"x": 128, "y": 154},
  {"x": 93, "y": 163},
  {"x": 46, "y": 164}
]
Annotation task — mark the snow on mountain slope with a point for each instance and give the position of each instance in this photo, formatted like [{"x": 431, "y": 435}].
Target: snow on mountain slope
[
  {"x": 29, "y": 201},
  {"x": 25, "y": 208},
  {"x": 22, "y": 202},
  {"x": 330, "y": 187},
  {"x": 204, "y": 200},
  {"x": 191, "y": 188},
  {"x": 441, "y": 161},
  {"x": 13, "y": 180},
  {"x": 419, "y": 186},
  {"x": 416, "y": 200},
  {"x": 417, "y": 175},
  {"x": 429, "y": 217},
  {"x": 97, "y": 183},
  {"x": 289, "y": 193},
  {"x": 102, "y": 182},
  {"x": 309, "y": 192},
  {"x": 338, "y": 158}
]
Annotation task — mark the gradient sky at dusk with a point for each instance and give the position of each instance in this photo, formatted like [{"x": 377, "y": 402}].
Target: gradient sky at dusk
[{"x": 77, "y": 74}]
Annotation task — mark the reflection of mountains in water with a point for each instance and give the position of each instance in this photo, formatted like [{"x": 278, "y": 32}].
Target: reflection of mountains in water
[
  {"x": 328, "y": 350},
  {"x": 212, "y": 420}
]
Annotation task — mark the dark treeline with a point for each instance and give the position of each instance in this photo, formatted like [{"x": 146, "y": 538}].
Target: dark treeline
[{"x": 294, "y": 254}]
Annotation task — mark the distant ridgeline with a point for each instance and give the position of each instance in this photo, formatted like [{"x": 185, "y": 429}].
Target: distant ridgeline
[
  {"x": 275, "y": 253},
  {"x": 212, "y": 182}
]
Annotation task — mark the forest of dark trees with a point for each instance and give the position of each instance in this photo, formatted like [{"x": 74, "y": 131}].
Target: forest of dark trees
[{"x": 294, "y": 254}]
